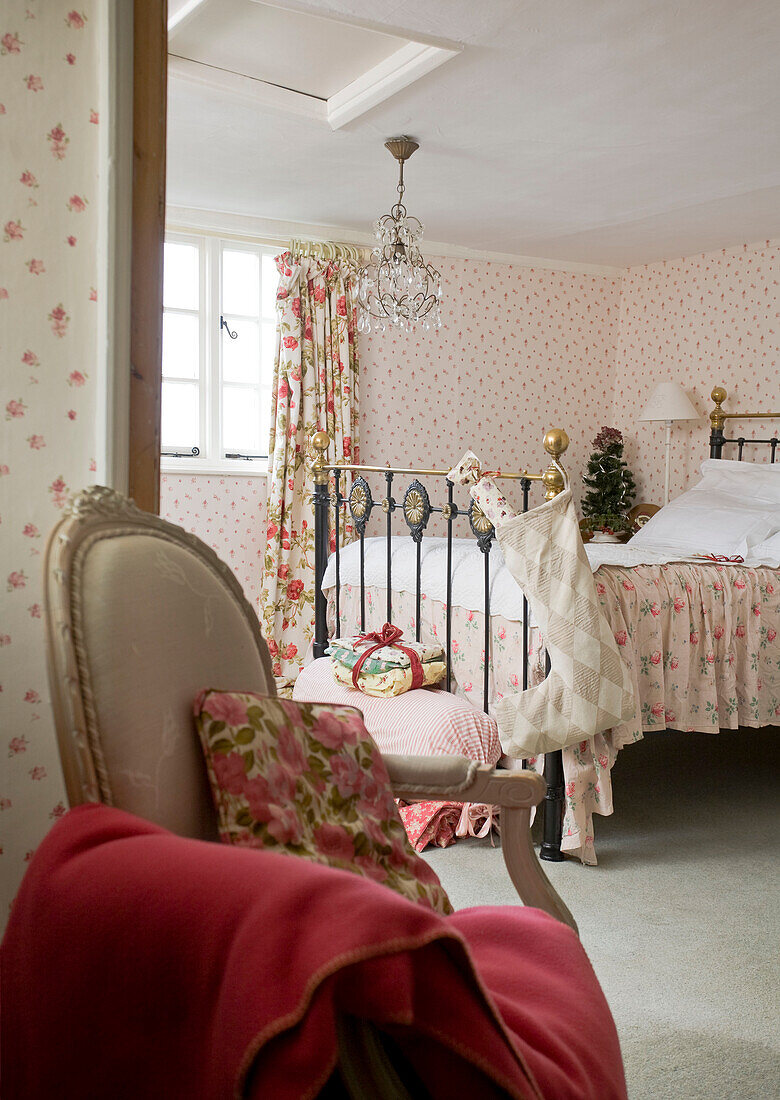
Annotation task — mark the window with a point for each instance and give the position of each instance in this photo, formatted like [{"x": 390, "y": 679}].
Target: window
[{"x": 219, "y": 338}]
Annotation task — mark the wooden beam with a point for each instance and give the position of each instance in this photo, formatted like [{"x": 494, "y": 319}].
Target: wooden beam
[{"x": 150, "y": 46}]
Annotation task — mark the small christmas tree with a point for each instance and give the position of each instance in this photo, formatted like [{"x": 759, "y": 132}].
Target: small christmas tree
[{"x": 611, "y": 485}]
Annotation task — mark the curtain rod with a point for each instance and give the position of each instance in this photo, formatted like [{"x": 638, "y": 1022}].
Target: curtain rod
[
  {"x": 356, "y": 252},
  {"x": 328, "y": 250}
]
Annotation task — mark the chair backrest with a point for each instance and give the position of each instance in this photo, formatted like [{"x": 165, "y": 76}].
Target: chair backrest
[{"x": 140, "y": 616}]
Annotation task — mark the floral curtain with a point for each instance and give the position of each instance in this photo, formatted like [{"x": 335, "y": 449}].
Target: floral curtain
[{"x": 315, "y": 388}]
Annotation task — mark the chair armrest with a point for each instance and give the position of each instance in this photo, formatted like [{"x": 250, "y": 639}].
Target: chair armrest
[
  {"x": 430, "y": 776},
  {"x": 444, "y": 778},
  {"x": 455, "y": 777}
]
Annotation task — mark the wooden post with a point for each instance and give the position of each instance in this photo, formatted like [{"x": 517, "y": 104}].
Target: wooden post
[{"x": 150, "y": 52}]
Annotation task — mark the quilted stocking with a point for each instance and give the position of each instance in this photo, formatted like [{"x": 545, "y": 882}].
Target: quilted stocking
[{"x": 588, "y": 689}]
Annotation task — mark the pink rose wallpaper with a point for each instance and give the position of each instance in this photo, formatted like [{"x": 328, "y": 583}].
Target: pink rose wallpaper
[
  {"x": 700, "y": 321},
  {"x": 228, "y": 513},
  {"x": 48, "y": 335},
  {"x": 519, "y": 350}
]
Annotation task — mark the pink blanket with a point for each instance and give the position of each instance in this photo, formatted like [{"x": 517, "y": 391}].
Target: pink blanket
[{"x": 141, "y": 964}]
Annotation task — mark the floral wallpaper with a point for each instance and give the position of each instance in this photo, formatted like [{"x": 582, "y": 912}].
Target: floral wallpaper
[
  {"x": 49, "y": 123},
  {"x": 520, "y": 350},
  {"x": 700, "y": 321},
  {"x": 228, "y": 513}
]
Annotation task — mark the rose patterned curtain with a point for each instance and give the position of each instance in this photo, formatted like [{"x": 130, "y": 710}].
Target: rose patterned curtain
[{"x": 315, "y": 388}]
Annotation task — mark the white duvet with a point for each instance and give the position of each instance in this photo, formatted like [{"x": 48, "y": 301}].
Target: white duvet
[{"x": 468, "y": 569}]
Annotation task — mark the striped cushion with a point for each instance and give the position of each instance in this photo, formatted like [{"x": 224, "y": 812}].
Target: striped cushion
[{"x": 425, "y": 722}]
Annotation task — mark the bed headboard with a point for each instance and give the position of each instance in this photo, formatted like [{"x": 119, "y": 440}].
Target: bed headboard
[
  {"x": 357, "y": 503},
  {"x": 718, "y": 420}
]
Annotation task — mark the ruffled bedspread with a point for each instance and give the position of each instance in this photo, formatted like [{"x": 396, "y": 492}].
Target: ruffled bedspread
[{"x": 702, "y": 645}]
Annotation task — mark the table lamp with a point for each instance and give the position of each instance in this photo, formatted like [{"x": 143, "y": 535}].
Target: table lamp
[{"x": 669, "y": 402}]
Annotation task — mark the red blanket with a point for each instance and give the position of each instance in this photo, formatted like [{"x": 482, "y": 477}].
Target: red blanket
[{"x": 141, "y": 964}]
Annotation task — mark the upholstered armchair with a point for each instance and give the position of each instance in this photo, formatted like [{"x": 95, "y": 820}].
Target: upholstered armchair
[{"x": 140, "y": 616}]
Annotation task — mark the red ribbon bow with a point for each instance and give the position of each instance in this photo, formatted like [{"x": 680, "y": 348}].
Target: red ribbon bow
[{"x": 388, "y": 635}]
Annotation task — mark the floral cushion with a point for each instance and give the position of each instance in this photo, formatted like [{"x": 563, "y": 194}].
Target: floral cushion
[{"x": 307, "y": 778}]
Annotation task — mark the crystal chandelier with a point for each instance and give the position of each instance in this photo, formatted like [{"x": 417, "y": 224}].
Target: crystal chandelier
[{"x": 397, "y": 286}]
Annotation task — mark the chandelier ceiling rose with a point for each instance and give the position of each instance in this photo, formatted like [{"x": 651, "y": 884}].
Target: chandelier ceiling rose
[
  {"x": 397, "y": 286},
  {"x": 402, "y": 147}
]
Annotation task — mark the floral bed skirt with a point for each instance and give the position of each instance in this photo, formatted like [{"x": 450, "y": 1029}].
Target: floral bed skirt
[
  {"x": 702, "y": 645},
  {"x": 701, "y": 642}
]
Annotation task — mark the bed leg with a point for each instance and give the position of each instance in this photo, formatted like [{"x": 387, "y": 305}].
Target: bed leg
[
  {"x": 553, "y": 808},
  {"x": 321, "y": 540}
]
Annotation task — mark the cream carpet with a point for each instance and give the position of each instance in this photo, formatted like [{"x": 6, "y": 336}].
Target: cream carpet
[{"x": 681, "y": 918}]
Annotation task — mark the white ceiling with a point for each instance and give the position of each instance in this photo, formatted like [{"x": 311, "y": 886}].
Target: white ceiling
[
  {"x": 242, "y": 36},
  {"x": 611, "y": 132}
]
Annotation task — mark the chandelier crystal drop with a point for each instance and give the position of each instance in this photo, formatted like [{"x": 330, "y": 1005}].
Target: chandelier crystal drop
[{"x": 397, "y": 286}]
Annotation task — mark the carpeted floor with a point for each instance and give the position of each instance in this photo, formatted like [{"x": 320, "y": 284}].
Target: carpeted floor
[{"x": 681, "y": 918}]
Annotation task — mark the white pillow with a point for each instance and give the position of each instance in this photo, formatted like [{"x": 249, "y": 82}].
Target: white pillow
[
  {"x": 766, "y": 553},
  {"x": 709, "y": 521},
  {"x": 751, "y": 480}
]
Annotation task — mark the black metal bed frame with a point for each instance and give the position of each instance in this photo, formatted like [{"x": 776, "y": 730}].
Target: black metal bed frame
[{"x": 417, "y": 509}]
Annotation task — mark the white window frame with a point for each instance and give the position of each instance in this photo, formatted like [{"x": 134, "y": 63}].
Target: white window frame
[{"x": 211, "y": 459}]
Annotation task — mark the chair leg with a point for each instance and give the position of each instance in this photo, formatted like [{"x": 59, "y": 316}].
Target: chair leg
[
  {"x": 366, "y": 1068},
  {"x": 525, "y": 871}
]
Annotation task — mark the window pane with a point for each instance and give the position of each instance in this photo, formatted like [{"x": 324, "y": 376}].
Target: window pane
[
  {"x": 180, "y": 416},
  {"x": 270, "y": 286},
  {"x": 265, "y": 418},
  {"x": 241, "y": 357},
  {"x": 181, "y": 345},
  {"x": 181, "y": 276},
  {"x": 241, "y": 430},
  {"x": 240, "y": 282},
  {"x": 269, "y": 351}
]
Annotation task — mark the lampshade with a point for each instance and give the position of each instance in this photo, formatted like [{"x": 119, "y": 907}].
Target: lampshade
[{"x": 669, "y": 401}]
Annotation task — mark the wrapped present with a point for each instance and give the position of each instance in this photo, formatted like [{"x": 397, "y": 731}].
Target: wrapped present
[
  {"x": 467, "y": 471},
  {"x": 492, "y": 501},
  {"x": 382, "y": 664},
  {"x": 483, "y": 490}
]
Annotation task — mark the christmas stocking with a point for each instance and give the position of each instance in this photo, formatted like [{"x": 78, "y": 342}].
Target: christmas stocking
[{"x": 588, "y": 689}]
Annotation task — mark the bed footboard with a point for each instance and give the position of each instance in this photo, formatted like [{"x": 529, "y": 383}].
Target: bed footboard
[{"x": 356, "y": 504}]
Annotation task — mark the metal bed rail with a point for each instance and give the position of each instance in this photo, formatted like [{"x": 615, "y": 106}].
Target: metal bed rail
[
  {"x": 355, "y": 503},
  {"x": 718, "y": 420}
]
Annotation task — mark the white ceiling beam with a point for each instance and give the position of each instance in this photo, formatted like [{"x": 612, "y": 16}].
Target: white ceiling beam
[
  {"x": 390, "y": 76},
  {"x": 247, "y": 87},
  {"x": 180, "y": 11}
]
